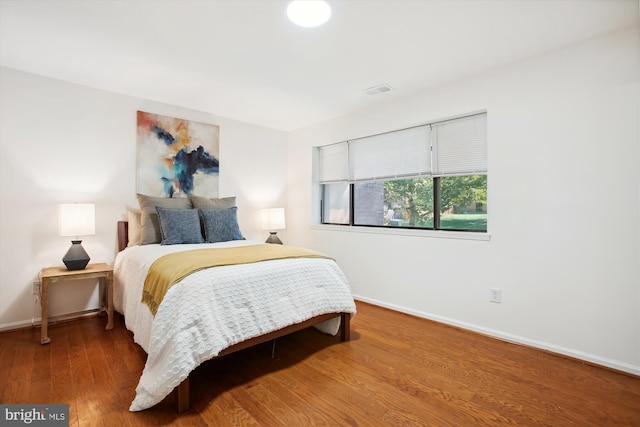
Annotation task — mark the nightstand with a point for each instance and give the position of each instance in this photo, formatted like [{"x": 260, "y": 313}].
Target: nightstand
[{"x": 58, "y": 274}]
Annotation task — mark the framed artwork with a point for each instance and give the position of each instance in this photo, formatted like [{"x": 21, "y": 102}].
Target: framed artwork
[{"x": 177, "y": 157}]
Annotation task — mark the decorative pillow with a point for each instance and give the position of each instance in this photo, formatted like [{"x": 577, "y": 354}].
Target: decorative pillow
[
  {"x": 205, "y": 203},
  {"x": 178, "y": 226},
  {"x": 221, "y": 225},
  {"x": 150, "y": 231},
  {"x": 133, "y": 218}
]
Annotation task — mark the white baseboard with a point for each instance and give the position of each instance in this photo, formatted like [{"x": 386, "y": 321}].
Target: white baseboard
[
  {"x": 17, "y": 325},
  {"x": 613, "y": 364},
  {"x": 53, "y": 319}
]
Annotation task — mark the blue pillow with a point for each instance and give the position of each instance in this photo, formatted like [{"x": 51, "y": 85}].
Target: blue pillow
[
  {"x": 221, "y": 225},
  {"x": 179, "y": 226}
]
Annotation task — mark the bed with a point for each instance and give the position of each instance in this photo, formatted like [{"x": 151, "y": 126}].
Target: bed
[{"x": 198, "y": 321}]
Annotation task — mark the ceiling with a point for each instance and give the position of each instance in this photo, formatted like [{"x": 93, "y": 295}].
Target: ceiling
[{"x": 244, "y": 60}]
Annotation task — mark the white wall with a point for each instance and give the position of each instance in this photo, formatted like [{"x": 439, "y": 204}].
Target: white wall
[
  {"x": 65, "y": 143},
  {"x": 563, "y": 199}
]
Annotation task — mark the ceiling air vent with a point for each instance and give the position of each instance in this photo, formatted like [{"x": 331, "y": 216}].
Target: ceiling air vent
[{"x": 377, "y": 90}]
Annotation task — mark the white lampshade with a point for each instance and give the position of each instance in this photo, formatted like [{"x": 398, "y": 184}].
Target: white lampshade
[
  {"x": 273, "y": 219},
  {"x": 309, "y": 13},
  {"x": 77, "y": 219}
]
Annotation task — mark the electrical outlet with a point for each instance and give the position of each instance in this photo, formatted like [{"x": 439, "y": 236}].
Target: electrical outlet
[
  {"x": 36, "y": 287},
  {"x": 496, "y": 295}
]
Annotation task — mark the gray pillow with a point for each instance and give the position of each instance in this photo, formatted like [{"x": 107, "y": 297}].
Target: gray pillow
[
  {"x": 220, "y": 225},
  {"x": 178, "y": 226},
  {"x": 150, "y": 227},
  {"x": 205, "y": 203}
]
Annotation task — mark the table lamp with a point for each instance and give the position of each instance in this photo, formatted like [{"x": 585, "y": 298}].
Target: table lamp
[
  {"x": 272, "y": 220},
  {"x": 77, "y": 219}
]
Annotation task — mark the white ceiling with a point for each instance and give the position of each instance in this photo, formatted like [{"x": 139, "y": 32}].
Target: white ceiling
[{"x": 243, "y": 59}]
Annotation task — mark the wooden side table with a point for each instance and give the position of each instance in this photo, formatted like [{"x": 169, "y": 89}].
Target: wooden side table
[{"x": 56, "y": 274}]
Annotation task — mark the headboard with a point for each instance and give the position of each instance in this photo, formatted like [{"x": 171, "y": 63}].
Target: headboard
[{"x": 123, "y": 235}]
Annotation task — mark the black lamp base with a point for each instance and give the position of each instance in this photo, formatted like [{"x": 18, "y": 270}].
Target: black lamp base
[
  {"x": 76, "y": 257},
  {"x": 273, "y": 238}
]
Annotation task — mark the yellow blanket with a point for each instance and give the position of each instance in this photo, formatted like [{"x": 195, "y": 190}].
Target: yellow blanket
[{"x": 170, "y": 269}]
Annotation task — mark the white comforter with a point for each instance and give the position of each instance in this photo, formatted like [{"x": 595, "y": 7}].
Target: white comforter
[{"x": 215, "y": 308}]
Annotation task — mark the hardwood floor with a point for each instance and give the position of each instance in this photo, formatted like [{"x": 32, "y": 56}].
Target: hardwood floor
[{"x": 396, "y": 370}]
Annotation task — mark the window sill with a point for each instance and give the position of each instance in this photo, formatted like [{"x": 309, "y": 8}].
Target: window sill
[{"x": 441, "y": 234}]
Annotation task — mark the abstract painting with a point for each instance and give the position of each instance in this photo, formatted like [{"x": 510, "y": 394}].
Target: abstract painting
[{"x": 177, "y": 157}]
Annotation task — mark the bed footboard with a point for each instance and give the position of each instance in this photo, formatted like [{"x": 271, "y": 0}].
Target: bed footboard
[{"x": 345, "y": 335}]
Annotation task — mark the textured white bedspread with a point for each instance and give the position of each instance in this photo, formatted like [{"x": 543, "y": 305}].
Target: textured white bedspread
[{"x": 215, "y": 308}]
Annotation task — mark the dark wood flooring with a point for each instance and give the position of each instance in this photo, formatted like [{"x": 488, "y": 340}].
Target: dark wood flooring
[{"x": 397, "y": 370}]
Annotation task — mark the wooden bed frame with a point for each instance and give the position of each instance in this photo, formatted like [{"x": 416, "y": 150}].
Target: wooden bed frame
[{"x": 183, "y": 388}]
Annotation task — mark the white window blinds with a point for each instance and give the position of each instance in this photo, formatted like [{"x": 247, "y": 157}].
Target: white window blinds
[
  {"x": 400, "y": 154},
  {"x": 333, "y": 163},
  {"x": 453, "y": 147},
  {"x": 460, "y": 146}
]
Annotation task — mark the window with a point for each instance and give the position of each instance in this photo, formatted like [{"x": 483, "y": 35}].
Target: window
[
  {"x": 427, "y": 177},
  {"x": 336, "y": 203}
]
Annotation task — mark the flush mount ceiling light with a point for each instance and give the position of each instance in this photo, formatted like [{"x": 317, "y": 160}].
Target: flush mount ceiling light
[{"x": 309, "y": 13}]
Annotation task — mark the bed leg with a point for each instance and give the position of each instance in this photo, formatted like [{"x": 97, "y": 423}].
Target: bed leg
[
  {"x": 183, "y": 396},
  {"x": 345, "y": 326}
]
